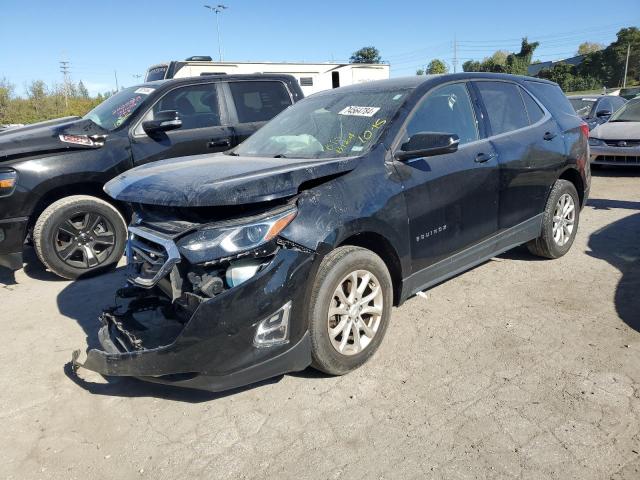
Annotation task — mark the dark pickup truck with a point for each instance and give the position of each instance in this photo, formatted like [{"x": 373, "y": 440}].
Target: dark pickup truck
[{"x": 52, "y": 173}]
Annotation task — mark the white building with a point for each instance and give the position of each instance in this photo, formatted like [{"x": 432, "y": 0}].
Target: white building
[{"x": 313, "y": 77}]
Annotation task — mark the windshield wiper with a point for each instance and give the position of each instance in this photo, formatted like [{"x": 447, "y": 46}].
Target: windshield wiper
[
  {"x": 280, "y": 155},
  {"x": 233, "y": 154}
]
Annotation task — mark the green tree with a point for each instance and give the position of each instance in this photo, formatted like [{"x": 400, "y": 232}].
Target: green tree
[
  {"x": 518, "y": 63},
  {"x": 500, "y": 57},
  {"x": 6, "y": 95},
  {"x": 437, "y": 66},
  {"x": 366, "y": 55},
  {"x": 82, "y": 90},
  {"x": 589, "y": 47},
  {"x": 501, "y": 62},
  {"x": 420, "y": 71},
  {"x": 608, "y": 65}
]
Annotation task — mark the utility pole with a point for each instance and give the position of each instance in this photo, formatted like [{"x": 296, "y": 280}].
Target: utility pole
[
  {"x": 626, "y": 66},
  {"x": 115, "y": 74},
  {"x": 65, "y": 67},
  {"x": 218, "y": 9},
  {"x": 455, "y": 54}
]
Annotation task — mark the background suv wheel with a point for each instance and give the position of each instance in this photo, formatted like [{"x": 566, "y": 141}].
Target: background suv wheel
[
  {"x": 350, "y": 309},
  {"x": 78, "y": 235}
]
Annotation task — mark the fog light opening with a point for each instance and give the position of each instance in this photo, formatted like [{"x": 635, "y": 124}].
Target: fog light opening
[
  {"x": 274, "y": 330},
  {"x": 242, "y": 270}
]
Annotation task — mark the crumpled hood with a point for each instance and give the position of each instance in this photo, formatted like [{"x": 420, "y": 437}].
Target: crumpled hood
[
  {"x": 617, "y": 131},
  {"x": 219, "y": 180},
  {"x": 44, "y": 137}
]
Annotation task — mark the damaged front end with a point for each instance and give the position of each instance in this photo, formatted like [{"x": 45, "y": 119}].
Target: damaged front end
[{"x": 208, "y": 305}]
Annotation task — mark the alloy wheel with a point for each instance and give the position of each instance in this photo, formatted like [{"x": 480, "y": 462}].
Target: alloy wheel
[
  {"x": 564, "y": 217},
  {"x": 355, "y": 312},
  {"x": 84, "y": 240}
]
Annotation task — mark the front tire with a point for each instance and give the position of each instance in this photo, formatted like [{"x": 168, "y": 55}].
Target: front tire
[
  {"x": 349, "y": 310},
  {"x": 559, "y": 222},
  {"x": 79, "y": 235}
]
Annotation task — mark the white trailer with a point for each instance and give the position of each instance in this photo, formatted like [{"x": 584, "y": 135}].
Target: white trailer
[{"x": 313, "y": 77}]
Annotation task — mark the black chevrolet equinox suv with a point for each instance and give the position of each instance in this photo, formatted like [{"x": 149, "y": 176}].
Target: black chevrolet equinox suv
[
  {"x": 52, "y": 173},
  {"x": 291, "y": 249}
]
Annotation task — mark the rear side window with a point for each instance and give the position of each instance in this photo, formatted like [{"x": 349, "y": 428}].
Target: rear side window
[
  {"x": 259, "y": 101},
  {"x": 504, "y": 106},
  {"x": 555, "y": 102},
  {"x": 533, "y": 109}
]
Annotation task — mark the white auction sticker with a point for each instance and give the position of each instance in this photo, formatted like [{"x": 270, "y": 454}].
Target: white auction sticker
[
  {"x": 359, "y": 111},
  {"x": 145, "y": 90}
]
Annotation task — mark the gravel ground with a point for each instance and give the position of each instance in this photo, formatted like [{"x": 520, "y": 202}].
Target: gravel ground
[{"x": 521, "y": 368}]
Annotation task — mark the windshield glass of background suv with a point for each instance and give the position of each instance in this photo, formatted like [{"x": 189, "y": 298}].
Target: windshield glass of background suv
[
  {"x": 113, "y": 112},
  {"x": 630, "y": 112},
  {"x": 582, "y": 106},
  {"x": 331, "y": 125}
]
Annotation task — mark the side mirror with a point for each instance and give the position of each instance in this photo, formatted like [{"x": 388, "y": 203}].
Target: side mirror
[
  {"x": 428, "y": 144},
  {"x": 603, "y": 113},
  {"x": 163, "y": 122}
]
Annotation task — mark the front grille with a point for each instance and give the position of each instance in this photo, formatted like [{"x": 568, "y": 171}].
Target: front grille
[
  {"x": 150, "y": 256},
  {"x": 623, "y": 143},
  {"x": 618, "y": 159}
]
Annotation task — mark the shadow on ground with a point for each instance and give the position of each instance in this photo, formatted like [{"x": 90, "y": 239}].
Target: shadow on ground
[{"x": 619, "y": 244}]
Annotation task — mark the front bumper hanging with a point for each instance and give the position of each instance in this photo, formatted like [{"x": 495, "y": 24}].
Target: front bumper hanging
[{"x": 214, "y": 349}]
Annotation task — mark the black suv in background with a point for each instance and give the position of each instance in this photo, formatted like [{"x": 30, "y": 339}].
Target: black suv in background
[
  {"x": 52, "y": 173},
  {"x": 291, "y": 249}
]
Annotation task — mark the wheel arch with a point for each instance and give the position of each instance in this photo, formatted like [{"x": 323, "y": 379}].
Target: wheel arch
[
  {"x": 93, "y": 189},
  {"x": 573, "y": 175},
  {"x": 382, "y": 247}
]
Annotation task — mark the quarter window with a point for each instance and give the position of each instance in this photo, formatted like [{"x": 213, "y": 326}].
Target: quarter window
[
  {"x": 259, "y": 101},
  {"x": 504, "y": 105},
  {"x": 196, "y": 104},
  {"x": 447, "y": 109},
  {"x": 533, "y": 109}
]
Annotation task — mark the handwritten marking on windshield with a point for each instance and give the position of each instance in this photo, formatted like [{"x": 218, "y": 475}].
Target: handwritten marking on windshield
[{"x": 339, "y": 146}]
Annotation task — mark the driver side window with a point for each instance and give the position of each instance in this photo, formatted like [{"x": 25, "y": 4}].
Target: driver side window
[
  {"x": 446, "y": 109},
  {"x": 197, "y": 106}
]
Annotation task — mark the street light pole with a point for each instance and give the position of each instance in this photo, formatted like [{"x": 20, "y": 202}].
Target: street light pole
[
  {"x": 218, "y": 10},
  {"x": 626, "y": 67}
]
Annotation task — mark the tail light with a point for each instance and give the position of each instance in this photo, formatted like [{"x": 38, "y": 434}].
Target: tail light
[{"x": 584, "y": 129}]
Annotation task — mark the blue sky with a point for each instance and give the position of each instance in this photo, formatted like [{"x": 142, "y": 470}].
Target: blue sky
[{"x": 98, "y": 38}]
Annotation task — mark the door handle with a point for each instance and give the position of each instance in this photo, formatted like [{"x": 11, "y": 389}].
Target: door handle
[
  {"x": 484, "y": 157},
  {"x": 550, "y": 136},
  {"x": 219, "y": 143}
]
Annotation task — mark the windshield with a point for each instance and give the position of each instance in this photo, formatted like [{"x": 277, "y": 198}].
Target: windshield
[
  {"x": 331, "y": 125},
  {"x": 156, "y": 73},
  {"x": 113, "y": 112},
  {"x": 582, "y": 106},
  {"x": 630, "y": 112}
]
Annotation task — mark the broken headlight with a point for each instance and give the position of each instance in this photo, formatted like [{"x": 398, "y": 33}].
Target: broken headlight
[{"x": 220, "y": 241}]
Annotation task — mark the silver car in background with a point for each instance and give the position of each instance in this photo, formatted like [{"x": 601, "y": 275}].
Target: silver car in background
[{"x": 617, "y": 142}]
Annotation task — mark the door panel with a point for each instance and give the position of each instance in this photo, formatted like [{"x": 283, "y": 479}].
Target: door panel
[
  {"x": 530, "y": 149},
  {"x": 452, "y": 202},
  {"x": 452, "y": 199},
  {"x": 202, "y": 128}
]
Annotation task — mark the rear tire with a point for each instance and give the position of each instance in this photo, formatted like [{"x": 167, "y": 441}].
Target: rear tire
[
  {"x": 559, "y": 222},
  {"x": 79, "y": 235},
  {"x": 345, "y": 339}
]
